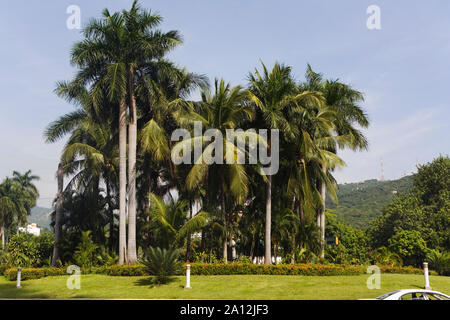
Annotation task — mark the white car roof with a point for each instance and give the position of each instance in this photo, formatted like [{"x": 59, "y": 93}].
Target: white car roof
[{"x": 401, "y": 292}]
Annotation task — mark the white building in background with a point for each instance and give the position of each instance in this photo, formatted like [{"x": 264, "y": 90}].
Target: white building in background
[{"x": 31, "y": 229}]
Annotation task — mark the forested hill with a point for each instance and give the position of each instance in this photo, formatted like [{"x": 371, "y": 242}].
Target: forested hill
[{"x": 359, "y": 203}]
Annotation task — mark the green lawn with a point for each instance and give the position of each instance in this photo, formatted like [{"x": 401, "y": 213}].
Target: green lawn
[{"x": 218, "y": 287}]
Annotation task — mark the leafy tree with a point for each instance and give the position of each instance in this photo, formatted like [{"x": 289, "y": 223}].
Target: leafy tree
[
  {"x": 353, "y": 243},
  {"x": 410, "y": 246},
  {"x": 27, "y": 250}
]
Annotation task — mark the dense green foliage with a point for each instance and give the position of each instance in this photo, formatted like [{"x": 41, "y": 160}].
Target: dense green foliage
[
  {"x": 85, "y": 251},
  {"x": 353, "y": 243},
  {"x": 418, "y": 221},
  {"x": 362, "y": 202},
  {"x": 440, "y": 261},
  {"x": 27, "y": 250}
]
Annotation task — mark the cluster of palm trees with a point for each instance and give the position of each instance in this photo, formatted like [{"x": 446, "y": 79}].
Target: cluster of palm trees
[
  {"x": 130, "y": 99},
  {"x": 18, "y": 195}
]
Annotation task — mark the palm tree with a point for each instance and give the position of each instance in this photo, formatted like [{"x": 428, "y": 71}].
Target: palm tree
[
  {"x": 226, "y": 109},
  {"x": 343, "y": 100},
  {"x": 58, "y": 215},
  {"x": 90, "y": 155},
  {"x": 169, "y": 221},
  {"x": 284, "y": 229},
  {"x": 274, "y": 94},
  {"x": 112, "y": 55},
  {"x": 25, "y": 180},
  {"x": 13, "y": 206}
]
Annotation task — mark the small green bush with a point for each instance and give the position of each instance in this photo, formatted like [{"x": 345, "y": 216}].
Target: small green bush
[
  {"x": 85, "y": 252},
  {"x": 162, "y": 264}
]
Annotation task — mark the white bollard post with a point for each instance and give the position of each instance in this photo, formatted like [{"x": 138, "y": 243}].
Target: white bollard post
[
  {"x": 19, "y": 274},
  {"x": 427, "y": 280},
  {"x": 188, "y": 276}
]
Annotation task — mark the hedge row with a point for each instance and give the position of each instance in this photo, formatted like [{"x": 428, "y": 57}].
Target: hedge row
[
  {"x": 33, "y": 273},
  {"x": 405, "y": 270},
  {"x": 219, "y": 269},
  {"x": 282, "y": 269}
]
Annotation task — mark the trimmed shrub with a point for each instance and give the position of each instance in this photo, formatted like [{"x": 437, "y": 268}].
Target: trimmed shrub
[
  {"x": 210, "y": 269},
  {"x": 34, "y": 273},
  {"x": 281, "y": 269},
  {"x": 133, "y": 270}
]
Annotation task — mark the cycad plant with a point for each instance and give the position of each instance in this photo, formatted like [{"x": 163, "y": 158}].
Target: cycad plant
[
  {"x": 162, "y": 263},
  {"x": 440, "y": 262}
]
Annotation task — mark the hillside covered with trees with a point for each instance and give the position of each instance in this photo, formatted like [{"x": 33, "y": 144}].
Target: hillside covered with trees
[{"x": 359, "y": 203}]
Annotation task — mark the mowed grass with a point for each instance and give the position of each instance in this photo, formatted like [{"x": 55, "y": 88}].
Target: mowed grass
[{"x": 235, "y": 287}]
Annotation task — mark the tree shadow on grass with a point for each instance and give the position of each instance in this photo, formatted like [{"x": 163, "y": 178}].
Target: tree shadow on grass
[
  {"x": 152, "y": 282},
  {"x": 9, "y": 291}
]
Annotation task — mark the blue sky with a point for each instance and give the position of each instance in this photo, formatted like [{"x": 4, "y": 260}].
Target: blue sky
[{"x": 403, "y": 69}]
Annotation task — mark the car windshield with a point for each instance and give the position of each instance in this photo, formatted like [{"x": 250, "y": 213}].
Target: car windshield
[
  {"x": 436, "y": 296},
  {"x": 384, "y": 296}
]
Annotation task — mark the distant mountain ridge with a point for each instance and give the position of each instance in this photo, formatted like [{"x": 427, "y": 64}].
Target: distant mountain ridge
[
  {"x": 40, "y": 216},
  {"x": 361, "y": 202}
]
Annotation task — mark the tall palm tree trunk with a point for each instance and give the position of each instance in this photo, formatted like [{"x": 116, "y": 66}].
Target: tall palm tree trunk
[
  {"x": 2, "y": 231},
  {"x": 224, "y": 240},
  {"x": 188, "y": 241},
  {"x": 122, "y": 181},
  {"x": 147, "y": 212},
  {"x": 322, "y": 215},
  {"x": 293, "y": 249},
  {"x": 301, "y": 211},
  {"x": 132, "y": 139},
  {"x": 252, "y": 247},
  {"x": 230, "y": 243},
  {"x": 111, "y": 215},
  {"x": 58, "y": 214},
  {"x": 267, "y": 253},
  {"x": 224, "y": 248}
]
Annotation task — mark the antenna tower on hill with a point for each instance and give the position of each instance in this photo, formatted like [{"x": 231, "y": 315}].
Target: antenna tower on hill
[{"x": 382, "y": 170}]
